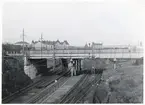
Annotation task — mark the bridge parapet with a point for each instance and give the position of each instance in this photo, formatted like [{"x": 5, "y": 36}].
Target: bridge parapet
[
  {"x": 80, "y": 51},
  {"x": 77, "y": 54},
  {"x": 83, "y": 53}
]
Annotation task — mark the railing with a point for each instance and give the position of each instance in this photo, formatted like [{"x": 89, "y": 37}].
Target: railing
[
  {"x": 121, "y": 53},
  {"x": 83, "y": 52},
  {"x": 57, "y": 51}
]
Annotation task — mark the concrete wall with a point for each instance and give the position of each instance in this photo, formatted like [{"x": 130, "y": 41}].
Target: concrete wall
[{"x": 31, "y": 71}]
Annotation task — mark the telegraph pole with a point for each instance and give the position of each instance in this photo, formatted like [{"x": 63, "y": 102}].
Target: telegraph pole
[
  {"x": 92, "y": 50},
  {"x": 41, "y": 44},
  {"x": 23, "y": 41},
  {"x": 53, "y": 55},
  {"x": 115, "y": 58},
  {"x": 23, "y": 38},
  {"x": 130, "y": 50},
  {"x": 122, "y": 52}
]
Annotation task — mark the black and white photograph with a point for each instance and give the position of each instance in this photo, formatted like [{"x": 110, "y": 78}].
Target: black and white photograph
[{"x": 72, "y": 52}]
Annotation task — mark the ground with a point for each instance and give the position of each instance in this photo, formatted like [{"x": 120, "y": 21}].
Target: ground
[{"x": 123, "y": 85}]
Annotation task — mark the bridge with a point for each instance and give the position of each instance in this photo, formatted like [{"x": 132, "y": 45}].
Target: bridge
[
  {"x": 78, "y": 54},
  {"x": 84, "y": 53}
]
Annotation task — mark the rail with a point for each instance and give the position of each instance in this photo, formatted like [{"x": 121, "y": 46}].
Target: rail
[
  {"x": 50, "y": 88},
  {"x": 76, "y": 94},
  {"x": 27, "y": 88},
  {"x": 21, "y": 91}
]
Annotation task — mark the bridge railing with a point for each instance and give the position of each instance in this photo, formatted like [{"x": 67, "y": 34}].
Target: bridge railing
[{"x": 66, "y": 51}]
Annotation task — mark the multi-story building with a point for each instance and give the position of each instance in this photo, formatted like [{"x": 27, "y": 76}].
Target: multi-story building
[
  {"x": 97, "y": 45},
  {"x": 49, "y": 45}
]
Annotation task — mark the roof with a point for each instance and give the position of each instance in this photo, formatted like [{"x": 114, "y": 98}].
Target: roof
[
  {"x": 97, "y": 43},
  {"x": 57, "y": 41},
  {"x": 86, "y": 45},
  {"x": 21, "y": 42},
  {"x": 65, "y": 41},
  {"x": 51, "y": 42},
  {"x": 48, "y": 42}
]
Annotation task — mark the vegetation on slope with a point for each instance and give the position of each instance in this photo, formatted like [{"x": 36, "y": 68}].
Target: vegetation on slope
[{"x": 13, "y": 76}]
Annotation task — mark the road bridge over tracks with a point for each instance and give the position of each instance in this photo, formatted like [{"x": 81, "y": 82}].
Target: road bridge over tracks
[
  {"x": 82, "y": 53},
  {"x": 79, "y": 53}
]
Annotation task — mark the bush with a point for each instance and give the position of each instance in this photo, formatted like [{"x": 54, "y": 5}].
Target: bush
[{"x": 13, "y": 77}]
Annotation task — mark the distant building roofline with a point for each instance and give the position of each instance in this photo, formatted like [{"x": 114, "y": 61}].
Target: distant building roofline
[
  {"x": 51, "y": 42},
  {"x": 21, "y": 42}
]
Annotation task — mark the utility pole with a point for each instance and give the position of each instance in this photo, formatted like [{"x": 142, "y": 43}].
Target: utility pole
[
  {"x": 130, "y": 50},
  {"x": 23, "y": 36},
  {"x": 114, "y": 58},
  {"x": 41, "y": 44},
  {"x": 89, "y": 51},
  {"x": 93, "y": 50},
  {"x": 23, "y": 41},
  {"x": 53, "y": 56},
  {"x": 122, "y": 52},
  {"x": 115, "y": 52},
  {"x": 99, "y": 52}
]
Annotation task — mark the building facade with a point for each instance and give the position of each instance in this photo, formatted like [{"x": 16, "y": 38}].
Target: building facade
[
  {"x": 49, "y": 45},
  {"x": 21, "y": 43}
]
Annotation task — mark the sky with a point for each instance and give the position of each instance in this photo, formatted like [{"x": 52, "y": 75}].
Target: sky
[{"x": 119, "y": 22}]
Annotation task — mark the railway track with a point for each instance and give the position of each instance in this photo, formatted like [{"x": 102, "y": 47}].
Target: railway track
[
  {"x": 80, "y": 90},
  {"x": 42, "y": 83},
  {"x": 87, "y": 89},
  {"x": 48, "y": 90},
  {"x": 23, "y": 90}
]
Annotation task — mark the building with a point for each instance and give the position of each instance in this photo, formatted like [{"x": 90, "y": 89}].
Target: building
[
  {"x": 49, "y": 45},
  {"x": 21, "y": 43},
  {"x": 97, "y": 45},
  {"x": 38, "y": 45},
  {"x": 63, "y": 45},
  {"x": 86, "y": 45}
]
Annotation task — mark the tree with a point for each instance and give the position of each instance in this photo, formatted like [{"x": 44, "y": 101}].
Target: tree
[{"x": 10, "y": 48}]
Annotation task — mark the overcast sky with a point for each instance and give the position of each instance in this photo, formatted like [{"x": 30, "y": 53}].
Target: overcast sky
[{"x": 110, "y": 22}]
